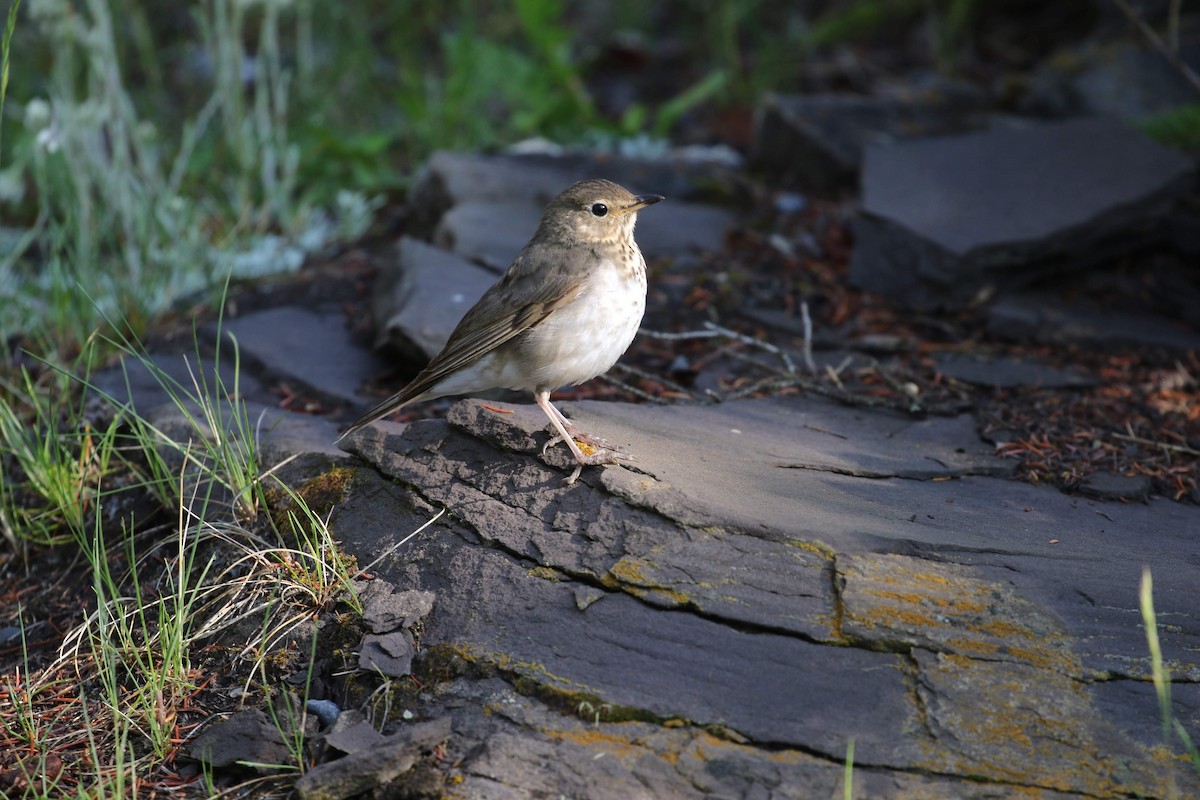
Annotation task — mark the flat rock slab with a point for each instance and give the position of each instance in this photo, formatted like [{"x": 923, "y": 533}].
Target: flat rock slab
[
  {"x": 450, "y": 178},
  {"x": 311, "y": 350},
  {"x": 1046, "y": 319},
  {"x": 1004, "y": 373},
  {"x": 779, "y": 576},
  {"x": 494, "y": 233},
  {"x": 944, "y": 219},
  {"x": 421, "y": 296},
  {"x": 1108, "y": 486},
  {"x": 521, "y": 749},
  {"x": 486, "y": 208}
]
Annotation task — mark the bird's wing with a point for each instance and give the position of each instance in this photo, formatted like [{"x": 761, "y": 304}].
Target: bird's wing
[{"x": 533, "y": 287}]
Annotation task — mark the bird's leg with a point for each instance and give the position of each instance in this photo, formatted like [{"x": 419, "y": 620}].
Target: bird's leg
[
  {"x": 574, "y": 433},
  {"x": 560, "y": 423}
]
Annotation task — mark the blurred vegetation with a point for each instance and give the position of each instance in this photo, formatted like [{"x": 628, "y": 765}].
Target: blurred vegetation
[
  {"x": 151, "y": 149},
  {"x": 1179, "y": 128},
  {"x": 155, "y": 148}
]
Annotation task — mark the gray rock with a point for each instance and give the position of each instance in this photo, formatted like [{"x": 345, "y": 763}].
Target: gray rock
[
  {"x": 313, "y": 352},
  {"x": 981, "y": 714},
  {"x": 385, "y": 609},
  {"x": 422, "y": 295},
  {"x": 817, "y": 141},
  {"x": 1008, "y": 372},
  {"x": 494, "y": 233},
  {"x": 485, "y": 208},
  {"x": 945, "y": 221},
  {"x": 1122, "y": 79},
  {"x": 388, "y": 654},
  {"x": 936, "y": 618},
  {"x": 948, "y": 608},
  {"x": 150, "y": 383},
  {"x": 677, "y": 665},
  {"x": 353, "y": 733},
  {"x": 1110, "y": 486},
  {"x": 1024, "y": 316},
  {"x": 678, "y": 227},
  {"x": 491, "y": 233},
  {"x": 367, "y": 769},
  {"x": 523, "y": 750},
  {"x": 451, "y": 178},
  {"x": 253, "y": 738}
]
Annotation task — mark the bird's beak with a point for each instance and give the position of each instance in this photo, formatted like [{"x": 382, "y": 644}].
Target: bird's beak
[{"x": 641, "y": 201}]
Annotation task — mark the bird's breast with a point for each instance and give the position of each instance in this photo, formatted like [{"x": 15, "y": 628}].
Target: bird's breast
[{"x": 585, "y": 337}]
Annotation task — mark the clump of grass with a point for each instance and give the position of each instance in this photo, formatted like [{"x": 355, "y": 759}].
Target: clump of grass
[{"x": 159, "y": 594}]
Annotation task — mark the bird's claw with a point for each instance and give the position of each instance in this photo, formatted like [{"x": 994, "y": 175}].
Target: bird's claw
[
  {"x": 604, "y": 453},
  {"x": 594, "y": 460}
]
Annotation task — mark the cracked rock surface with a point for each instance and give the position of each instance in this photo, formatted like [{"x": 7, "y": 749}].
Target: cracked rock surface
[{"x": 766, "y": 582}]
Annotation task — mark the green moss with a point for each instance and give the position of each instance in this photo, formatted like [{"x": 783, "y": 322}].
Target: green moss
[
  {"x": 545, "y": 573},
  {"x": 320, "y": 495}
]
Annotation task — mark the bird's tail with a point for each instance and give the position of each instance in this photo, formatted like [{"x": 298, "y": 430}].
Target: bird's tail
[{"x": 393, "y": 403}]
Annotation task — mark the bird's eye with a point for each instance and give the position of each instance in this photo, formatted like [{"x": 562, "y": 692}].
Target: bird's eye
[{"x": 599, "y": 209}]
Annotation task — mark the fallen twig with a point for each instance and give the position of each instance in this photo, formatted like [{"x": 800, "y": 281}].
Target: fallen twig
[
  {"x": 650, "y": 376},
  {"x": 633, "y": 390},
  {"x": 806, "y": 320},
  {"x": 1174, "y": 448},
  {"x": 712, "y": 329}
]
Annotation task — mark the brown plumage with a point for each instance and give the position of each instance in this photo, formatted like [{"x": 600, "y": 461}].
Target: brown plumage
[{"x": 563, "y": 313}]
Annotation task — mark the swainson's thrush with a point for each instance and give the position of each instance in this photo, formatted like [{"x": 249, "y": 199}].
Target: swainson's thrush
[{"x": 563, "y": 313}]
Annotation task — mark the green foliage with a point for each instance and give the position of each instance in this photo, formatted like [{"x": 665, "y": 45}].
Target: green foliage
[
  {"x": 848, "y": 772},
  {"x": 138, "y": 211},
  {"x": 1179, "y": 127},
  {"x": 1160, "y": 676},
  {"x": 860, "y": 20}
]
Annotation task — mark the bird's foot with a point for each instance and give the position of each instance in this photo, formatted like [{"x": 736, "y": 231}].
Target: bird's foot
[
  {"x": 588, "y": 451},
  {"x": 593, "y": 459}
]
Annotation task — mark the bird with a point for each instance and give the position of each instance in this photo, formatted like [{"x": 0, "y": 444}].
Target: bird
[{"x": 564, "y": 311}]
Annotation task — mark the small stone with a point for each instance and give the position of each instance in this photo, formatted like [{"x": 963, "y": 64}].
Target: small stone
[
  {"x": 326, "y": 710},
  {"x": 353, "y": 733},
  {"x": 386, "y": 610},
  {"x": 390, "y": 654},
  {"x": 586, "y": 596},
  {"x": 245, "y": 737},
  {"x": 375, "y": 766},
  {"x": 1111, "y": 486}
]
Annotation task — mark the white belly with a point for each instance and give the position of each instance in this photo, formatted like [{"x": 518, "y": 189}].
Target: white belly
[{"x": 584, "y": 338}]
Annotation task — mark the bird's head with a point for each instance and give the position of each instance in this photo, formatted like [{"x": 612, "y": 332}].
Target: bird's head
[{"x": 595, "y": 210}]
